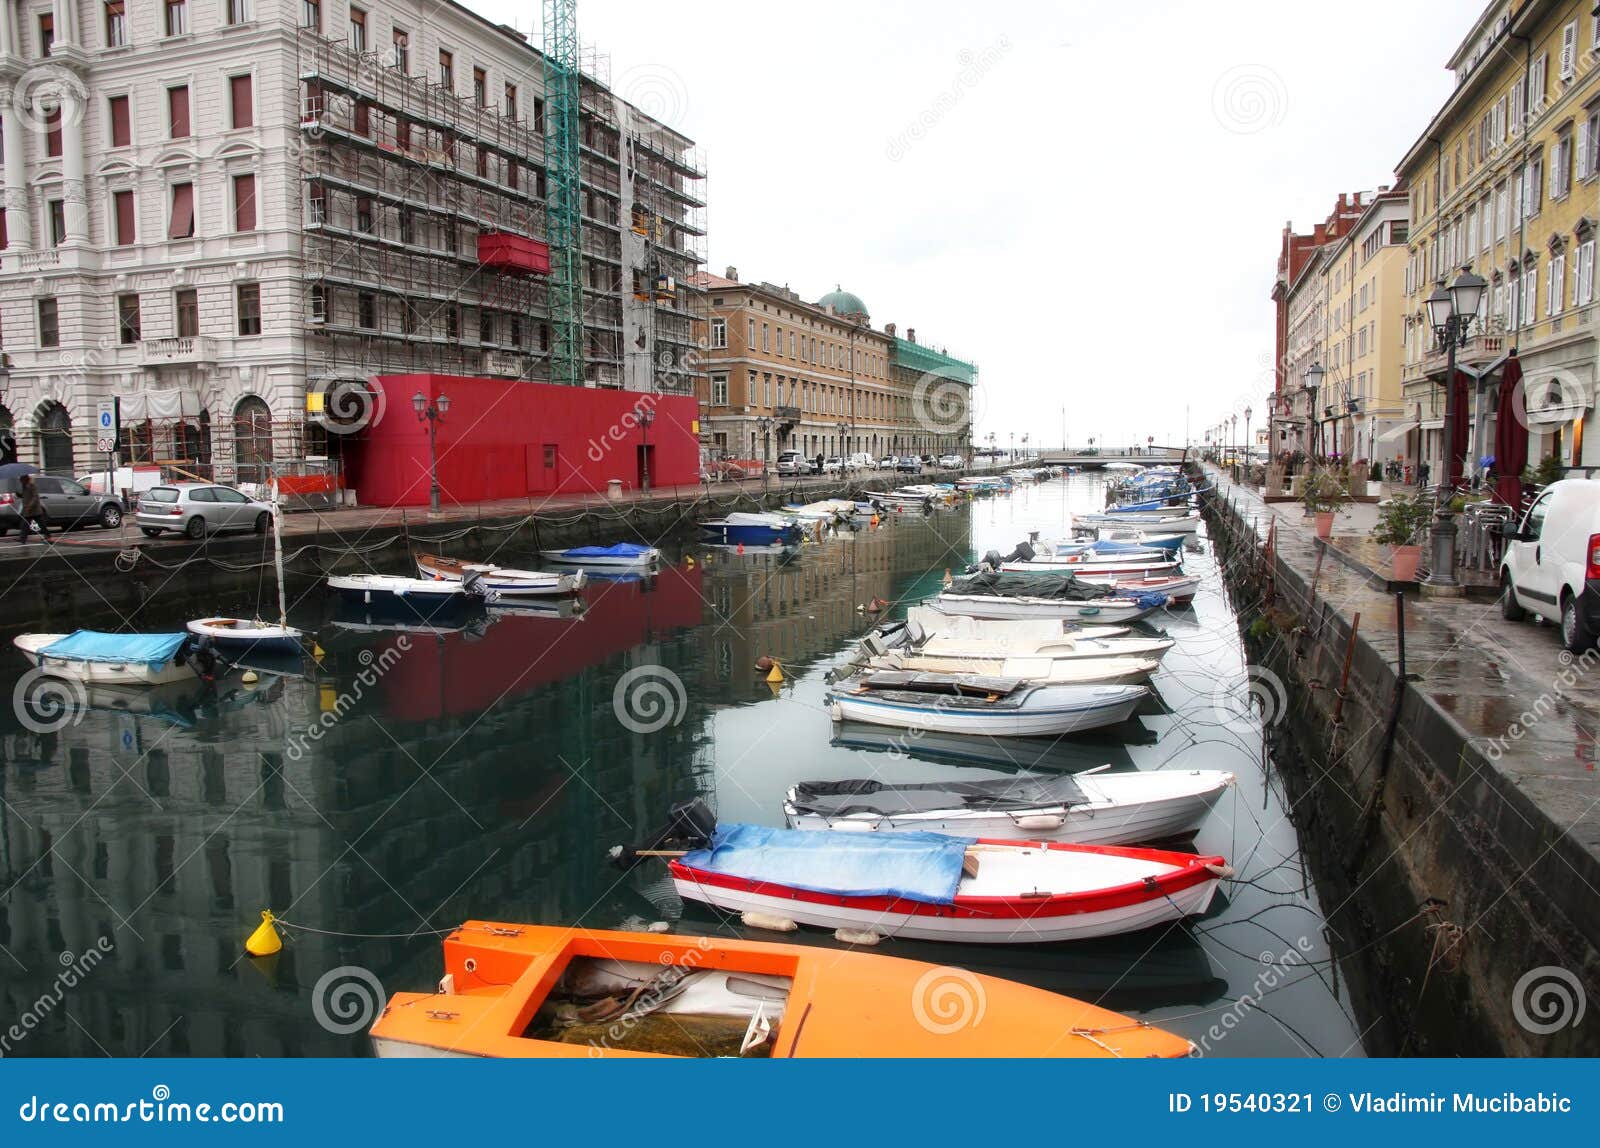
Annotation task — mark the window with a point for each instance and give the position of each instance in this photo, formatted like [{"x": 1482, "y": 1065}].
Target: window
[
  {"x": 452, "y": 321},
  {"x": 181, "y": 225},
  {"x": 364, "y": 214},
  {"x": 244, "y": 202},
  {"x": 241, "y": 100},
  {"x": 480, "y": 87},
  {"x": 177, "y": 17},
  {"x": 311, "y": 14},
  {"x": 249, "y": 299},
  {"x": 367, "y": 311},
  {"x": 238, "y": 11},
  {"x": 486, "y": 327},
  {"x": 52, "y": 132},
  {"x": 719, "y": 390},
  {"x": 719, "y": 333},
  {"x": 116, "y": 23},
  {"x": 186, "y": 304},
  {"x": 511, "y": 104},
  {"x": 1518, "y": 97},
  {"x": 363, "y": 118},
  {"x": 1589, "y": 145},
  {"x": 402, "y": 133},
  {"x": 49, "y": 324},
  {"x": 402, "y": 50},
  {"x": 1568, "y": 64},
  {"x": 778, "y": 342},
  {"x": 127, "y": 319},
  {"x": 1536, "y": 85},
  {"x": 56, "y": 210},
  {"x": 766, "y": 337},
  {"x": 1532, "y": 187},
  {"x": 122, "y": 215},
  {"x": 358, "y": 29},
  {"x": 47, "y": 33},
  {"x": 1583, "y": 279},
  {"x": 1561, "y": 166},
  {"x": 117, "y": 118},
  {"x": 1530, "y": 294},
  {"x": 750, "y": 337},
  {"x": 1556, "y": 290},
  {"x": 447, "y": 71},
  {"x": 516, "y": 331},
  {"x": 178, "y": 112}
]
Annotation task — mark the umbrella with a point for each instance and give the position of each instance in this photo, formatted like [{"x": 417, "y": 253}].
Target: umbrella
[
  {"x": 17, "y": 469},
  {"x": 1510, "y": 437},
  {"x": 1457, "y": 431}
]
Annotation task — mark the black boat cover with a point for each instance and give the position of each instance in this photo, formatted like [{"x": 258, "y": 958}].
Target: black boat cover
[
  {"x": 934, "y": 682},
  {"x": 1017, "y": 585},
  {"x": 1000, "y": 794}
]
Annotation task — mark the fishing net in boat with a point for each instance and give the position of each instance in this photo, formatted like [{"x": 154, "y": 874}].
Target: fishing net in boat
[{"x": 1009, "y": 585}]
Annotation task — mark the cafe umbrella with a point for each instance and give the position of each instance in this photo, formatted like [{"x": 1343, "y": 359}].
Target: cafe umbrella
[{"x": 1510, "y": 435}]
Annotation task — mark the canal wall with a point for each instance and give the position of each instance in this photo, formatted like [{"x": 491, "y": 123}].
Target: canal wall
[{"x": 1453, "y": 857}]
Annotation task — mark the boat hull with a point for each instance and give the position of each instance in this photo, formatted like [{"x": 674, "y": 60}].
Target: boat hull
[
  {"x": 511, "y": 583},
  {"x": 1104, "y": 613},
  {"x": 750, "y": 534},
  {"x": 242, "y": 637},
  {"x": 1042, "y": 721},
  {"x": 93, "y": 673}
]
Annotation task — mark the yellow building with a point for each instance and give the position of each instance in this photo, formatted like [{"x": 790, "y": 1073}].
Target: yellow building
[{"x": 1504, "y": 180}]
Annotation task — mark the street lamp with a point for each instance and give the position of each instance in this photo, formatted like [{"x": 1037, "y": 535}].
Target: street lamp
[
  {"x": 764, "y": 425},
  {"x": 1247, "y": 444},
  {"x": 434, "y": 413},
  {"x": 1314, "y": 374},
  {"x": 1450, "y": 312},
  {"x": 646, "y": 416}
]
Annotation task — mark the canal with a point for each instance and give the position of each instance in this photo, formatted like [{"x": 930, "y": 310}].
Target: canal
[{"x": 413, "y": 780}]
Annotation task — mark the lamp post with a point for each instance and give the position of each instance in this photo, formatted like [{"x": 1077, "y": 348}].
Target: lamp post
[
  {"x": 1247, "y": 444},
  {"x": 1451, "y": 311},
  {"x": 434, "y": 413},
  {"x": 1314, "y": 374},
  {"x": 764, "y": 425},
  {"x": 646, "y": 416}
]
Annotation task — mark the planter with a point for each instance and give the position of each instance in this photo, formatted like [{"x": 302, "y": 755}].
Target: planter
[
  {"x": 1297, "y": 484},
  {"x": 1406, "y": 560},
  {"x": 1324, "y": 524}
]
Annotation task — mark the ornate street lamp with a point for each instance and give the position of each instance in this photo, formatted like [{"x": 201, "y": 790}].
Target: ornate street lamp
[
  {"x": 434, "y": 413},
  {"x": 646, "y": 416},
  {"x": 1450, "y": 312},
  {"x": 1247, "y": 444},
  {"x": 1314, "y": 376}
]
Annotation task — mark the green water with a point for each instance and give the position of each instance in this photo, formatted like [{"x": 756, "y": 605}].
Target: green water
[{"x": 415, "y": 780}]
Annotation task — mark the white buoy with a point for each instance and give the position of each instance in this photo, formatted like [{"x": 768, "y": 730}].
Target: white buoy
[
  {"x": 857, "y": 936},
  {"x": 755, "y": 920}
]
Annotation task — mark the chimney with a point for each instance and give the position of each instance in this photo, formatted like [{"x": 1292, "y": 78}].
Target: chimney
[
  {"x": 911, "y": 334},
  {"x": 733, "y": 274},
  {"x": 888, "y": 329}
]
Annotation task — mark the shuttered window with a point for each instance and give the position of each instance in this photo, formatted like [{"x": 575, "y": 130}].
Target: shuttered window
[
  {"x": 182, "y": 226},
  {"x": 242, "y": 101},
  {"x": 178, "y": 112},
  {"x": 122, "y": 205},
  {"x": 121, "y": 133},
  {"x": 244, "y": 203}
]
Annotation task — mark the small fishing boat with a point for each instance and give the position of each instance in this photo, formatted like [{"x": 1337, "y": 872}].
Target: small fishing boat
[
  {"x": 926, "y": 886},
  {"x": 503, "y": 582},
  {"x": 1089, "y": 808},
  {"x": 1081, "y": 567},
  {"x": 376, "y": 588},
  {"x": 898, "y": 497},
  {"x": 97, "y": 658},
  {"x": 561, "y": 993},
  {"x": 934, "y": 623},
  {"x": 617, "y": 556},
  {"x": 731, "y": 532},
  {"x": 1041, "y": 670},
  {"x": 1178, "y": 587},
  {"x": 237, "y": 636},
  {"x": 1109, "y": 611},
  {"x": 979, "y": 703},
  {"x": 1155, "y": 524},
  {"x": 1115, "y": 538}
]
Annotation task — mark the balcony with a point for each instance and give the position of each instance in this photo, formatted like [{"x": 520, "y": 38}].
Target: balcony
[
  {"x": 504, "y": 364},
  {"x": 1480, "y": 349},
  {"x": 789, "y": 415},
  {"x": 176, "y": 350}
]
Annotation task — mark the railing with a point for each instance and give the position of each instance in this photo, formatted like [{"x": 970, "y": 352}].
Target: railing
[{"x": 176, "y": 349}]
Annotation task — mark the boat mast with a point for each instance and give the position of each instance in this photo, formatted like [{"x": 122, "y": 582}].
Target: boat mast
[{"x": 277, "y": 553}]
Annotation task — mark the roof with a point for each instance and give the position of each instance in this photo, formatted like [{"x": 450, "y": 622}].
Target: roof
[
  {"x": 843, "y": 302},
  {"x": 930, "y": 362}
]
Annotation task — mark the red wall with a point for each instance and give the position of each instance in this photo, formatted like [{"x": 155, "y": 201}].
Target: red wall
[{"x": 491, "y": 443}]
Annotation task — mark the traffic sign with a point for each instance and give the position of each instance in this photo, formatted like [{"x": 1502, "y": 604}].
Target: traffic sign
[{"x": 107, "y": 425}]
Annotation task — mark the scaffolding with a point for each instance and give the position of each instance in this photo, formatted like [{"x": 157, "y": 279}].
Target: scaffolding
[{"x": 563, "y": 207}]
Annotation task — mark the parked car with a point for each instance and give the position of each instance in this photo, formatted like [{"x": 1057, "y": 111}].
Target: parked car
[
  {"x": 861, "y": 460},
  {"x": 834, "y": 465},
  {"x": 125, "y": 479},
  {"x": 888, "y": 462},
  {"x": 1551, "y": 564},
  {"x": 790, "y": 462},
  {"x": 67, "y": 505},
  {"x": 200, "y": 508},
  {"x": 908, "y": 464},
  {"x": 952, "y": 462}
]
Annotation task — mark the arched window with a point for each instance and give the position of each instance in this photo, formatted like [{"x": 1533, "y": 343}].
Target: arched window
[
  {"x": 8, "y": 438},
  {"x": 55, "y": 438},
  {"x": 252, "y": 440}
]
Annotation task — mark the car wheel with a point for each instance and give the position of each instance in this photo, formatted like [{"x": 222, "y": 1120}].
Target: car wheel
[
  {"x": 1576, "y": 635},
  {"x": 263, "y": 520},
  {"x": 1509, "y": 610},
  {"x": 111, "y": 516},
  {"x": 195, "y": 528},
  {"x": 150, "y": 531}
]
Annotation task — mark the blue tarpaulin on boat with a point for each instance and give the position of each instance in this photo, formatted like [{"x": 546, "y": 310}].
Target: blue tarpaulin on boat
[
  {"x": 1149, "y": 598},
  {"x": 917, "y": 866},
  {"x": 615, "y": 550},
  {"x": 95, "y": 646}
]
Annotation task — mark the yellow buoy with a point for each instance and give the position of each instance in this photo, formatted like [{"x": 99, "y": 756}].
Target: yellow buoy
[
  {"x": 250, "y": 678},
  {"x": 265, "y": 940},
  {"x": 775, "y": 675}
]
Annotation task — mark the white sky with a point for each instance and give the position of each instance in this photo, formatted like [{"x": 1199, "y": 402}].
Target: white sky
[{"x": 1092, "y": 210}]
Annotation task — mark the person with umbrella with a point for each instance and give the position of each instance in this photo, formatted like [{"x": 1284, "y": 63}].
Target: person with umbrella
[{"x": 31, "y": 510}]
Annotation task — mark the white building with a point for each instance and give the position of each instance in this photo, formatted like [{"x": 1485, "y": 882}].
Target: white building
[{"x": 214, "y": 209}]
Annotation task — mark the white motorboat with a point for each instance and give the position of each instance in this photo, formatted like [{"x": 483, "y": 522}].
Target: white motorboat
[
  {"x": 97, "y": 658},
  {"x": 504, "y": 582},
  {"x": 934, "y": 622},
  {"x": 1092, "y": 808},
  {"x": 1143, "y": 520},
  {"x": 1043, "y": 670},
  {"x": 980, "y": 704},
  {"x": 1100, "y": 611},
  {"x": 1178, "y": 587},
  {"x": 235, "y": 636},
  {"x": 377, "y": 588},
  {"x": 617, "y": 556},
  {"x": 1081, "y": 567}
]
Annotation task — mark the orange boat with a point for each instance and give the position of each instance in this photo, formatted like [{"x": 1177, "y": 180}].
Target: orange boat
[{"x": 535, "y": 991}]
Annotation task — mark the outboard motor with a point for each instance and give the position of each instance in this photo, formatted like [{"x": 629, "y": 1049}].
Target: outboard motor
[
  {"x": 991, "y": 560},
  {"x": 689, "y": 826},
  {"x": 1023, "y": 553}
]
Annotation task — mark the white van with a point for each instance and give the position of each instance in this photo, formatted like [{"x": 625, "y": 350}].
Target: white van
[
  {"x": 1551, "y": 564},
  {"x": 136, "y": 479}
]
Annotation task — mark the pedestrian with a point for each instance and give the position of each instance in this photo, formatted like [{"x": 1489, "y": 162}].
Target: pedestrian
[{"x": 30, "y": 510}]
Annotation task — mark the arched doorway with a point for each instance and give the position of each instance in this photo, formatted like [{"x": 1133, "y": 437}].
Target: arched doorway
[
  {"x": 54, "y": 438},
  {"x": 8, "y": 436},
  {"x": 252, "y": 440}
]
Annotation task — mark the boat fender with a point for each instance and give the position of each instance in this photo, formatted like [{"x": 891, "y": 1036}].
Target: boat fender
[
  {"x": 1223, "y": 870},
  {"x": 755, "y": 920},
  {"x": 447, "y": 984},
  {"x": 857, "y": 936},
  {"x": 1040, "y": 821},
  {"x": 658, "y": 927},
  {"x": 265, "y": 940}
]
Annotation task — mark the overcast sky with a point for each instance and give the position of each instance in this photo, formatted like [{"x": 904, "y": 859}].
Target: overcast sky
[{"x": 1085, "y": 198}]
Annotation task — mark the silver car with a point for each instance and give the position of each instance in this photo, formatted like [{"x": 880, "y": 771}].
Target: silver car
[{"x": 200, "y": 508}]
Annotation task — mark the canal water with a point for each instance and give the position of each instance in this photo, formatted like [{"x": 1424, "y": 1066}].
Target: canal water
[{"x": 413, "y": 780}]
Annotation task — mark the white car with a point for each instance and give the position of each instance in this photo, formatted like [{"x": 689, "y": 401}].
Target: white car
[
  {"x": 951, "y": 462},
  {"x": 861, "y": 461},
  {"x": 1551, "y": 564},
  {"x": 833, "y": 465}
]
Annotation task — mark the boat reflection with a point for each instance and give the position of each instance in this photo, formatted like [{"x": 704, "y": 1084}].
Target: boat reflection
[{"x": 1060, "y": 755}]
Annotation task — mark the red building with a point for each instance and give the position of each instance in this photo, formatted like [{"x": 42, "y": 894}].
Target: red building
[{"x": 503, "y": 438}]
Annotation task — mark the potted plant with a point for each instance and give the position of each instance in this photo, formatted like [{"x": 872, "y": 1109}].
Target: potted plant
[
  {"x": 1402, "y": 521},
  {"x": 1323, "y": 495}
]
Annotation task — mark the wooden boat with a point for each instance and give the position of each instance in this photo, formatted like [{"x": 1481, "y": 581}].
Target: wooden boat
[
  {"x": 925, "y": 886},
  {"x": 1083, "y": 568},
  {"x": 980, "y": 704},
  {"x": 371, "y": 588},
  {"x": 1184, "y": 524},
  {"x": 1041, "y": 670},
  {"x": 1180, "y": 588},
  {"x": 936, "y": 623},
  {"x": 97, "y": 658},
  {"x": 237, "y": 636},
  {"x": 535, "y": 991},
  {"x": 503, "y": 582},
  {"x": 1091, "y": 808},
  {"x": 617, "y": 556},
  {"x": 1110, "y": 611}
]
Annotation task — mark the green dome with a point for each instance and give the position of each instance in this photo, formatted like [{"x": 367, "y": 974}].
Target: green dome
[{"x": 843, "y": 302}]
